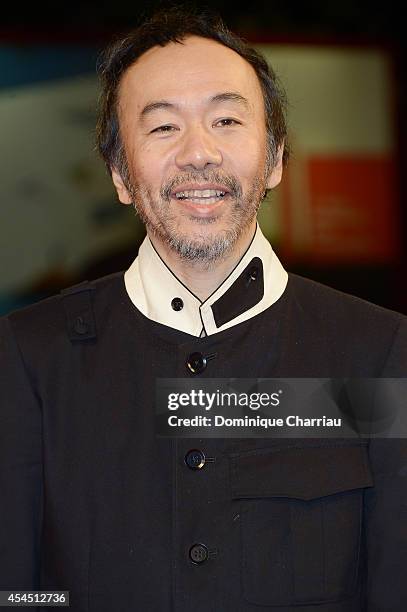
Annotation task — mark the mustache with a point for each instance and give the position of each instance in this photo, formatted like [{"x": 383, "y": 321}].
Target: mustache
[{"x": 210, "y": 176}]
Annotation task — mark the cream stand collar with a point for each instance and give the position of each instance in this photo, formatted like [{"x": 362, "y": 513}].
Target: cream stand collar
[{"x": 257, "y": 281}]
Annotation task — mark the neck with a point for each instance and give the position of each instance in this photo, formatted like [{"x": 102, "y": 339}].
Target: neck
[{"x": 200, "y": 279}]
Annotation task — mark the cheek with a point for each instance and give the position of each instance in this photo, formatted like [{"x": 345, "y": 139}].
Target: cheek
[
  {"x": 248, "y": 157},
  {"x": 248, "y": 165},
  {"x": 150, "y": 167}
]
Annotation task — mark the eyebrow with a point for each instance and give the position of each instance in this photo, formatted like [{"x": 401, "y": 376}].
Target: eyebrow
[{"x": 226, "y": 96}]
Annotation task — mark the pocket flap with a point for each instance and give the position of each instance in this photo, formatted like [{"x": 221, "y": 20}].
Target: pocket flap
[{"x": 301, "y": 473}]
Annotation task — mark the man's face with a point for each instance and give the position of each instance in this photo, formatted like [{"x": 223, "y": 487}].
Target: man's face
[{"x": 193, "y": 128}]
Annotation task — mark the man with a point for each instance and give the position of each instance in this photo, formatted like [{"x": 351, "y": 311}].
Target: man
[{"x": 192, "y": 129}]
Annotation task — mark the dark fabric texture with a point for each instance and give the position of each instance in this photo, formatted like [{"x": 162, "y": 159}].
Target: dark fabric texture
[{"x": 94, "y": 503}]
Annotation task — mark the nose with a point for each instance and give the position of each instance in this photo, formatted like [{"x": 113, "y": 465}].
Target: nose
[{"x": 198, "y": 150}]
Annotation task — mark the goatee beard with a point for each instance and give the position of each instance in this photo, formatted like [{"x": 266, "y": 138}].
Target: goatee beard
[{"x": 210, "y": 248}]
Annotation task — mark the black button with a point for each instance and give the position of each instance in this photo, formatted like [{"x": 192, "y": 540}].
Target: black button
[
  {"x": 195, "y": 459},
  {"x": 198, "y": 553},
  {"x": 253, "y": 274},
  {"x": 177, "y": 304},
  {"x": 80, "y": 326},
  {"x": 196, "y": 363}
]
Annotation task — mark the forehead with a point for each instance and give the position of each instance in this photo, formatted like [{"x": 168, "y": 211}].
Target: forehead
[{"x": 193, "y": 69}]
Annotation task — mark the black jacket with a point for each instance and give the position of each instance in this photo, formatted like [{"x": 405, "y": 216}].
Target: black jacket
[{"x": 94, "y": 503}]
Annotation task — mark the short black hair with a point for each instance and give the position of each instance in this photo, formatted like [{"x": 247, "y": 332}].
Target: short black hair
[{"x": 174, "y": 25}]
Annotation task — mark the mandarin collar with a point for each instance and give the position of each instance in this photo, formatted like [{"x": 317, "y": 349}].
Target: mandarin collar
[{"x": 256, "y": 282}]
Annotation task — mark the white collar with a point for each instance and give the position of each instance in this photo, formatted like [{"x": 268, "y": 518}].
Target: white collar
[{"x": 256, "y": 282}]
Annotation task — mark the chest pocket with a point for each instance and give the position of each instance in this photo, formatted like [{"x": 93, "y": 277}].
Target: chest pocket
[{"x": 301, "y": 515}]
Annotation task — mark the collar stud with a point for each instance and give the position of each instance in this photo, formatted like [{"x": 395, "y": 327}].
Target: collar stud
[{"x": 177, "y": 304}]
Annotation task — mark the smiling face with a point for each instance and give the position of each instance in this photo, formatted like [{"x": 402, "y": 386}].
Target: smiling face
[{"x": 193, "y": 128}]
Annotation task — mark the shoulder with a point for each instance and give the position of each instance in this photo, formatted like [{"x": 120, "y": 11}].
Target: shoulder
[
  {"x": 46, "y": 319},
  {"x": 350, "y": 324},
  {"x": 325, "y": 301}
]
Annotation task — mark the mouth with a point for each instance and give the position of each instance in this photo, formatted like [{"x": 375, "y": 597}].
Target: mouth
[{"x": 201, "y": 197}]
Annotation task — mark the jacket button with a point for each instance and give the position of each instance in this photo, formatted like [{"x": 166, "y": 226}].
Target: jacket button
[
  {"x": 195, "y": 459},
  {"x": 198, "y": 553},
  {"x": 253, "y": 274},
  {"x": 177, "y": 304},
  {"x": 196, "y": 363},
  {"x": 80, "y": 326}
]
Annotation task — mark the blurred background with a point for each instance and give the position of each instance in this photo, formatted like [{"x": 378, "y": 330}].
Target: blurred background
[{"x": 339, "y": 214}]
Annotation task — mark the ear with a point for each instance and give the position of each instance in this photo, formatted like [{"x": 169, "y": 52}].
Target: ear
[
  {"x": 121, "y": 189},
  {"x": 277, "y": 170}
]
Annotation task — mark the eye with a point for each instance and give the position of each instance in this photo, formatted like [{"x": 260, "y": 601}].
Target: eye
[
  {"x": 163, "y": 128},
  {"x": 227, "y": 122}
]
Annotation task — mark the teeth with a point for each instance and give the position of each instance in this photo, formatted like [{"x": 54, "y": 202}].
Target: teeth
[{"x": 200, "y": 193}]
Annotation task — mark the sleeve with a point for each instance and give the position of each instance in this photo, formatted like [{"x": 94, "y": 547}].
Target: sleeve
[
  {"x": 386, "y": 505},
  {"x": 20, "y": 470}
]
